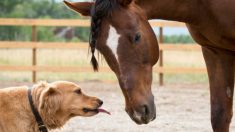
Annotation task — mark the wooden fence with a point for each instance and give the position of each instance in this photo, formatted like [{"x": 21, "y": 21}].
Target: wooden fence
[{"x": 34, "y": 45}]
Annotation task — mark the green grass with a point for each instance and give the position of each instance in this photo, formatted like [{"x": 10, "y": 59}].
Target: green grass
[
  {"x": 190, "y": 78},
  {"x": 78, "y": 58}
]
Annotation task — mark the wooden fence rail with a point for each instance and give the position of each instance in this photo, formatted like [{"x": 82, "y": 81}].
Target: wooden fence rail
[{"x": 34, "y": 45}]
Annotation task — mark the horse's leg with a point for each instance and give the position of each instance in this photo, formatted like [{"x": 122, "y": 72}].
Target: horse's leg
[{"x": 220, "y": 69}]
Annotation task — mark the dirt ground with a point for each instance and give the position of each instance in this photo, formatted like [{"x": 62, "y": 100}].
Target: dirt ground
[{"x": 180, "y": 108}]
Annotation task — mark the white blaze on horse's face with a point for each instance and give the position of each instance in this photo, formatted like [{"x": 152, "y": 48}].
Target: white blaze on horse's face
[{"x": 112, "y": 41}]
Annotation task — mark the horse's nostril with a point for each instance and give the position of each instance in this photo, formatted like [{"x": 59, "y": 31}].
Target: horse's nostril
[{"x": 146, "y": 110}]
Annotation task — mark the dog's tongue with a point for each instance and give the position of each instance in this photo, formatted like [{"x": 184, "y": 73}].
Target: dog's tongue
[{"x": 104, "y": 111}]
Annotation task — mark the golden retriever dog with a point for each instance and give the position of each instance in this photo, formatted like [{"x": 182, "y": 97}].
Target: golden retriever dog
[{"x": 55, "y": 102}]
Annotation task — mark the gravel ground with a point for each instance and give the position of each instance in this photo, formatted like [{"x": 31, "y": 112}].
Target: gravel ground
[{"x": 180, "y": 108}]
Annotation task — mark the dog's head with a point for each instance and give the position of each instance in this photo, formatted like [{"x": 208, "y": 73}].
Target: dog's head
[{"x": 66, "y": 100}]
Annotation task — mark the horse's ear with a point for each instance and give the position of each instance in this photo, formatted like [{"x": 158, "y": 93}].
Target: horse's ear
[
  {"x": 125, "y": 2},
  {"x": 83, "y": 8}
]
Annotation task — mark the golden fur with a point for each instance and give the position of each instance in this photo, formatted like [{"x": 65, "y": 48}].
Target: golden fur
[{"x": 56, "y": 102}]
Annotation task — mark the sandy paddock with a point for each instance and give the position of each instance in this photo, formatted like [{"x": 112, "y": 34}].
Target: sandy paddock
[{"x": 180, "y": 108}]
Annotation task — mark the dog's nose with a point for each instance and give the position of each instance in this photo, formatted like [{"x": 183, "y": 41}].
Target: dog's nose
[{"x": 100, "y": 102}]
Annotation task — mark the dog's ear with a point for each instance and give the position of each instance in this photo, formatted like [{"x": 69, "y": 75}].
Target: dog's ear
[
  {"x": 83, "y": 8},
  {"x": 50, "y": 100}
]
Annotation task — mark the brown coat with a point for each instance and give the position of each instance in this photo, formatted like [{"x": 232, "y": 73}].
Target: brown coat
[{"x": 56, "y": 102}]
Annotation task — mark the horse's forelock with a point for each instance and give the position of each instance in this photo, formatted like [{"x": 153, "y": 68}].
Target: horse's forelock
[{"x": 100, "y": 9}]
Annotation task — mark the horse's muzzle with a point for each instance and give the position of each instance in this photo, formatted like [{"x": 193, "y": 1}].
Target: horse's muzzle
[{"x": 143, "y": 114}]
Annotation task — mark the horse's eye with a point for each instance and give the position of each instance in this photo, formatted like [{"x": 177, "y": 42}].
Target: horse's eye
[
  {"x": 78, "y": 91},
  {"x": 137, "y": 38}
]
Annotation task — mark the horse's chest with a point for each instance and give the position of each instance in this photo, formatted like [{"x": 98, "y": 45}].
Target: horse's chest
[
  {"x": 216, "y": 27},
  {"x": 215, "y": 34}
]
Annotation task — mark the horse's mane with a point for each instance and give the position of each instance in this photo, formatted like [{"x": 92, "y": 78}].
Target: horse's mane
[{"x": 100, "y": 9}]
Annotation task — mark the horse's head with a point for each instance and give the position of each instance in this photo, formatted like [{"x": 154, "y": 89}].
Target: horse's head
[{"x": 121, "y": 32}]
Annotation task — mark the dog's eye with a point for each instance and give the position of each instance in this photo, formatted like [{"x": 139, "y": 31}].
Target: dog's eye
[{"x": 78, "y": 91}]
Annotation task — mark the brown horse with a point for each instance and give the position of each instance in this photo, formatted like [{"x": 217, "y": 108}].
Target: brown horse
[{"x": 121, "y": 32}]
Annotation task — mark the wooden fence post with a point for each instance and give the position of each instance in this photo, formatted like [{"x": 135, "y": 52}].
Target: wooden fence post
[
  {"x": 34, "y": 53},
  {"x": 161, "y": 76}
]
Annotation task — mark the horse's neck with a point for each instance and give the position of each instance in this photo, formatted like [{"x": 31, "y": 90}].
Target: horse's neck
[{"x": 175, "y": 10}]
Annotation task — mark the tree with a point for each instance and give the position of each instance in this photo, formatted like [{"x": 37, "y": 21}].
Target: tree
[
  {"x": 35, "y": 9},
  {"x": 178, "y": 39}
]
